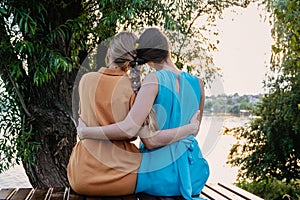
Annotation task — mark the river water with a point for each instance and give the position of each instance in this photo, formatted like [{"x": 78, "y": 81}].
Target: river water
[{"x": 215, "y": 148}]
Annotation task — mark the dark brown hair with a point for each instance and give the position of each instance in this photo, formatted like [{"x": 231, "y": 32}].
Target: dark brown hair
[{"x": 153, "y": 46}]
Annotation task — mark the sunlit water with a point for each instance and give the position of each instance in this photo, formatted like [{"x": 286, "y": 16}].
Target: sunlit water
[{"x": 215, "y": 148}]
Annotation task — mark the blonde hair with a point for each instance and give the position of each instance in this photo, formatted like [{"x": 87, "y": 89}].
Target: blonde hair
[{"x": 122, "y": 50}]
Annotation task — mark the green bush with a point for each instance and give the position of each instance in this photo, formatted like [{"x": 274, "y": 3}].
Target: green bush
[{"x": 273, "y": 189}]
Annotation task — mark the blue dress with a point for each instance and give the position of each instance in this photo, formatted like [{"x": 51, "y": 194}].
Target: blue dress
[{"x": 179, "y": 168}]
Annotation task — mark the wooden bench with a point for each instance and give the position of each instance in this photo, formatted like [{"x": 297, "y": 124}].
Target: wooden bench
[
  {"x": 217, "y": 191},
  {"x": 225, "y": 191}
]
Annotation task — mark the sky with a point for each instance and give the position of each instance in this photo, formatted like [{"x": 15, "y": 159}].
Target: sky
[{"x": 243, "y": 52}]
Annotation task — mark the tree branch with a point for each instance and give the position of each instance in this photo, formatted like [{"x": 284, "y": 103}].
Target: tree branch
[{"x": 19, "y": 96}]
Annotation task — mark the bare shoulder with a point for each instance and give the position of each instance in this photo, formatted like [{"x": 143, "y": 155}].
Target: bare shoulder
[
  {"x": 149, "y": 85},
  {"x": 150, "y": 78}
]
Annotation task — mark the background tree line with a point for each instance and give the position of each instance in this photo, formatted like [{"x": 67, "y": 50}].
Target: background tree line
[{"x": 231, "y": 104}]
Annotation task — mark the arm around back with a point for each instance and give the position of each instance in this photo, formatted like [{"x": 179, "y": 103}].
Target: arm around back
[
  {"x": 129, "y": 127},
  {"x": 159, "y": 138}
]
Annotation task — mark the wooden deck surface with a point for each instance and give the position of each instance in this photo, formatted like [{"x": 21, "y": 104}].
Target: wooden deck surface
[{"x": 218, "y": 191}]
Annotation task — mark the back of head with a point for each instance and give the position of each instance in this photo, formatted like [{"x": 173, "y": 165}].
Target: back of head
[
  {"x": 153, "y": 46},
  {"x": 122, "y": 50}
]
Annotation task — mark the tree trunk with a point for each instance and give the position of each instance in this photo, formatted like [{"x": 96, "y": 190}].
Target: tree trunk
[
  {"x": 50, "y": 107},
  {"x": 56, "y": 136},
  {"x": 53, "y": 127}
]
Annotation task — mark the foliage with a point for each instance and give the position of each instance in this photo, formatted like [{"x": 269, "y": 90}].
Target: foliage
[
  {"x": 273, "y": 189},
  {"x": 8, "y": 131},
  {"x": 36, "y": 46},
  {"x": 13, "y": 144},
  {"x": 43, "y": 44},
  {"x": 269, "y": 146}
]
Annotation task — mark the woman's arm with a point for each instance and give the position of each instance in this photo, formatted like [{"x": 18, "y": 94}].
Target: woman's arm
[
  {"x": 129, "y": 127},
  {"x": 133, "y": 122},
  {"x": 202, "y": 100},
  {"x": 151, "y": 139},
  {"x": 161, "y": 138}
]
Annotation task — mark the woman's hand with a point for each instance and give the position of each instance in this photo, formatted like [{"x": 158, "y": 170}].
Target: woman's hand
[
  {"x": 145, "y": 132},
  {"x": 147, "y": 136},
  {"x": 80, "y": 127},
  {"x": 195, "y": 121}
]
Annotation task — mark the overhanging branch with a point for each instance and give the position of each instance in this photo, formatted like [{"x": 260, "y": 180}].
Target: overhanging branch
[{"x": 19, "y": 95}]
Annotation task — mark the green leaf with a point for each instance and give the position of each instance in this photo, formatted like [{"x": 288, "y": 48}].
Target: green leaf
[{"x": 3, "y": 11}]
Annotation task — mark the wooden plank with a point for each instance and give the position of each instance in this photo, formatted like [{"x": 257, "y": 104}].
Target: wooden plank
[
  {"x": 127, "y": 197},
  {"x": 240, "y": 192},
  {"x": 22, "y": 193},
  {"x": 40, "y": 193},
  {"x": 211, "y": 194},
  {"x": 58, "y": 193},
  {"x": 205, "y": 196},
  {"x": 130, "y": 197},
  {"x": 224, "y": 192},
  {"x": 7, "y": 193},
  {"x": 71, "y": 195},
  {"x": 97, "y": 198},
  {"x": 144, "y": 196}
]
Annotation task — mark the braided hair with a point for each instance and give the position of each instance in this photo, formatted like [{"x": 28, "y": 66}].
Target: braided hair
[{"x": 152, "y": 46}]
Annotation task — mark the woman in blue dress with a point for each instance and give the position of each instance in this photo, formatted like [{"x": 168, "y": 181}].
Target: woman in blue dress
[{"x": 178, "y": 168}]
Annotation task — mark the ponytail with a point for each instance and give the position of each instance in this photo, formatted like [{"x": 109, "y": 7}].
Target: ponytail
[
  {"x": 152, "y": 46},
  {"x": 135, "y": 73}
]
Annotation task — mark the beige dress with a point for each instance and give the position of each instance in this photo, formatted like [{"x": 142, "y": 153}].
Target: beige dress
[{"x": 103, "y": 167}]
